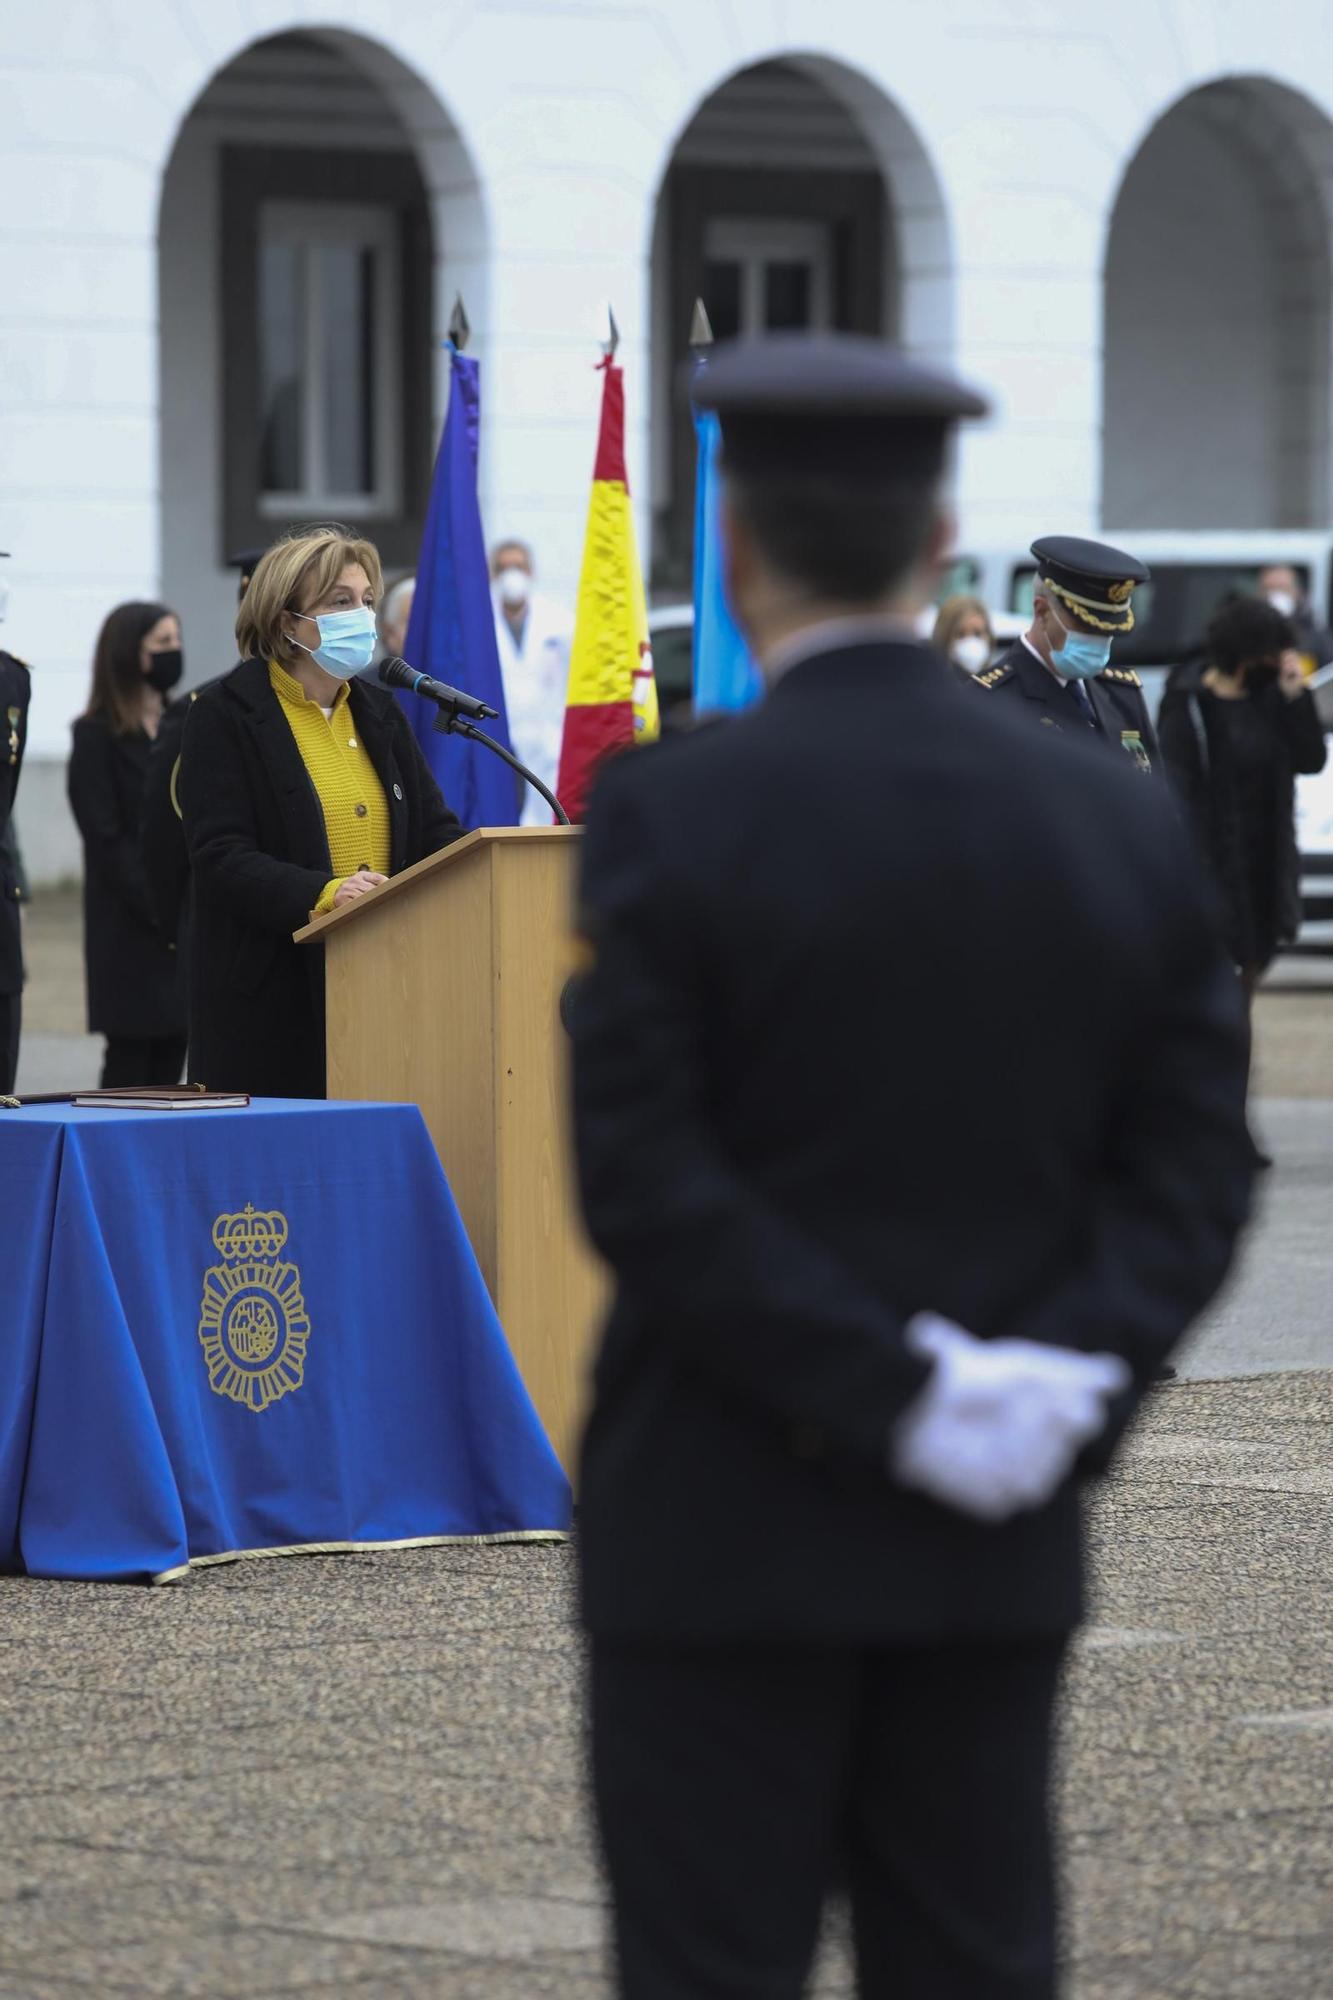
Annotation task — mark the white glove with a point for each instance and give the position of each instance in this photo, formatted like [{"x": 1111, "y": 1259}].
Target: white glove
[{"x": 997, "y": 1427}]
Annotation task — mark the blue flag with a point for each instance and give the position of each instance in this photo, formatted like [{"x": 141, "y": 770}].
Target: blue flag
[
  {"x": 451, "y": 632},
  {"x": 724, "y": 674}
]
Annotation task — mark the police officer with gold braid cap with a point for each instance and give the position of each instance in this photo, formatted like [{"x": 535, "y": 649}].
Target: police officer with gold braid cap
[
  {"x": 1059, "y": 673},
  {"x": 829, "y": 1505}
]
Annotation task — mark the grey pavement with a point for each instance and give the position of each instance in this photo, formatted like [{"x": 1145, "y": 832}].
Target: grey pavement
[
  {"x": 58, "y": 1062},
  {"x": 1276, "y": 1311},
  {"x": 362, "y": 1776}
]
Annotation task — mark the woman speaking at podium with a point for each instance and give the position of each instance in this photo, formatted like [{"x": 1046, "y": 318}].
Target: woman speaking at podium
[{"x": 301, "y": 788}]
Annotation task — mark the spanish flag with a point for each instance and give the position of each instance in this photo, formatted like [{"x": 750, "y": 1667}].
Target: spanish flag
[{"x": 612, "y": 699}]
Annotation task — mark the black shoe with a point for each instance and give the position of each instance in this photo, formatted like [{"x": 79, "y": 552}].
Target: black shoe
[{"x": 1164, "y": 1372}]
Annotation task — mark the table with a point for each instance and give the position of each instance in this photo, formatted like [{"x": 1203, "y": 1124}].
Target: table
[{"x": 262, "y": 1329}]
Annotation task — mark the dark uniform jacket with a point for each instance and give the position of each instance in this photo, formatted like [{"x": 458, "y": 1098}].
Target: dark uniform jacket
[
  {"x": 259, "y": 859},
  {"x": 15, "y": 694},
  {"x": 870, "y": 1027},
  {"x": 133, "y": 975},
  {"x": 1123, "y": 723},
  {"x": 1197, "y": 755}
]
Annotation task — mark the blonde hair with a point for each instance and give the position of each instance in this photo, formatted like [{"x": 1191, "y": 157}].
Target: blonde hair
[
  {"x": 951, "y": 615},
  {"x": 297, "y": 571}
]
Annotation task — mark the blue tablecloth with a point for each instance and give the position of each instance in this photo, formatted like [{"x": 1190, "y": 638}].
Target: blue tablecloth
[{"x": 236, "y": 1330}]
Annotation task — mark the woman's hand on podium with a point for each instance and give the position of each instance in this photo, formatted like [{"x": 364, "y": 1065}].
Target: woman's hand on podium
[{"x": 356, "y": 885}]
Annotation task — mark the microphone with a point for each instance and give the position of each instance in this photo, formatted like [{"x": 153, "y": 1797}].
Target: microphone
[{"x": 395, "y": 672}]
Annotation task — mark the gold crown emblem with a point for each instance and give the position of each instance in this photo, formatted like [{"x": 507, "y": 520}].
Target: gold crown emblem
[
  {"x": 1119, "y": 593},
  {"x": 252, "y": 1233},
  {"x": 253, "y": 1324}
]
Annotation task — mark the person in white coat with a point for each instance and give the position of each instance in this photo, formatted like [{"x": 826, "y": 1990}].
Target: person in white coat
[{"x": 533, "y": 635}]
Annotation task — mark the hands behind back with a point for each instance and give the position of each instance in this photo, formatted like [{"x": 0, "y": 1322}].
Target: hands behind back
[{"x": 999, "y": 1424}]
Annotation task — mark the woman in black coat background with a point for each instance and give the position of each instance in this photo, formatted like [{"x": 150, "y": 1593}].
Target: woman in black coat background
[
  {"x": 134, "y": 986},
  {"x": 262, "y": 825},
  {"x": 1234, "y": 733}
]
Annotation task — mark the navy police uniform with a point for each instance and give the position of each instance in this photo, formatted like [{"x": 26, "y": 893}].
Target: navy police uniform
[
  {"x": 15, "y": 695},
  {"x": 803, "y": 1673},
  {"x": 1093, "y": 583}
]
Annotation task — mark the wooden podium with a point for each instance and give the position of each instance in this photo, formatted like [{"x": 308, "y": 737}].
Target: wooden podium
[{"x": 443, "y": 989}]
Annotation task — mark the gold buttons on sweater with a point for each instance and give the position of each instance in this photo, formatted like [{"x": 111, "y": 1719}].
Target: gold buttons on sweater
[{"x": 360, "y": 811}]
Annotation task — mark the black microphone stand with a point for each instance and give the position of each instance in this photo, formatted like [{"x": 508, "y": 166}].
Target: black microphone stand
[{"x": 450, "y": 723}]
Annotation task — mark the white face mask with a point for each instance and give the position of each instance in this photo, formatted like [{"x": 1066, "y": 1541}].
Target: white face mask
[
  {"x": 514, "y": 585},
  {"x": 971, "y": 652},
  {"x": 1283, "y": 602}
]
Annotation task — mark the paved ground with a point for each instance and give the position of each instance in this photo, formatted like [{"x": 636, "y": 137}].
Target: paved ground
[{"x": 361, "y": 1776}]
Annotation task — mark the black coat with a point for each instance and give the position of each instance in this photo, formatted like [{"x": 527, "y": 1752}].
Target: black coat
[
  {"x": 1124, "y": 725},
  {"x": 259, "y": 858},
  {"x": 133, "y": 975},
  {"x": 1196, "y": 748},
  {"x": 894, "y": 1005},
  {"x": 15, "y": 694},
  {"x": 166, "y": 858}
]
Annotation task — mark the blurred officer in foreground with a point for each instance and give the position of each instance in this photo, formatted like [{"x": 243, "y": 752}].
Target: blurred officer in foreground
[
  {"x": 830, "y": 1533},
  {"x": 1059, "y": 673},
  {"x": 15, "y": 695}
]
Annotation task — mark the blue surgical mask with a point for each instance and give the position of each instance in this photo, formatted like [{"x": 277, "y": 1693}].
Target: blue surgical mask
[
  {"x": 1083, "y": 655},
  {"x": 346, "y": 641}
]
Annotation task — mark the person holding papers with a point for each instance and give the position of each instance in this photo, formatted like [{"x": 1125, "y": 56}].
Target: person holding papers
[{"x": 302, "y": 788}]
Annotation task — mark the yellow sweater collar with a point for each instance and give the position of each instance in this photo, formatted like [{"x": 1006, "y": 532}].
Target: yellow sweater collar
[{"x": 287, "y": 688}]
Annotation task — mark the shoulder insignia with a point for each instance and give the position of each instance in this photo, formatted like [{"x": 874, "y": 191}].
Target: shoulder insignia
[
  {"x": 1125, "y": 676},
  {"x": 993, "y": 676}
]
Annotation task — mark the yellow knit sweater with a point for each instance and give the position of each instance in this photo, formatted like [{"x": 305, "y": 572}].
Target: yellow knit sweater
[{"x": 356, "y": 812}]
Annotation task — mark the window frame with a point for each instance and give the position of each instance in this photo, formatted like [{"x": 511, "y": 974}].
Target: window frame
[
  {"x": 253, "y": 177},
  {"x": 349, "y": 225},
  {"x": 756, "y": 242},
  {"x": 853, "y": 204}
]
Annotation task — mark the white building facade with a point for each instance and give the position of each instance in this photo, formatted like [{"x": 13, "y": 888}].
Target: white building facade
[{"x": 233, "y": 235}]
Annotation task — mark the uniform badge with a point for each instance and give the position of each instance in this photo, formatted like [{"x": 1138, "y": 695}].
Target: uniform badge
[
  {"x": 1119, "y": 592},
  {"x": 15, "y": 717},
  {"x": 252, "y": 1317},
  {"x": 1132, "y": 740}
]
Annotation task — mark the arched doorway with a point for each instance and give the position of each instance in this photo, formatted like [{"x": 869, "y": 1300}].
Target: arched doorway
[
  {"x": 317, "y": 212},
  {"x": 797, "y": 196},
  {"x": 1217, "y": 332}
]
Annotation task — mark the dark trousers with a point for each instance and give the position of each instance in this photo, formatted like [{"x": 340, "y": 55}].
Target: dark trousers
[
  {"x": 133, "y": 1060},
  {"x": 736, "y": 1785},
  {"x": 11, "y": 1026}
]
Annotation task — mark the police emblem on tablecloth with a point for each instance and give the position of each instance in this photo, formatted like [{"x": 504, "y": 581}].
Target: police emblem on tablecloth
[{"x": 252, "y": 1318}]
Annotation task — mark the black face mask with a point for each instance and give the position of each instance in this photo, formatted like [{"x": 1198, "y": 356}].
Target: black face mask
[{"x": 165, "y": 669}]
